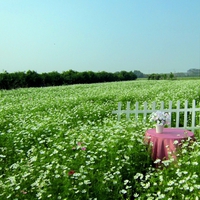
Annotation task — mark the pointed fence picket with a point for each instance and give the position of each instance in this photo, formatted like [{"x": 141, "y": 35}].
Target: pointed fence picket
[{"x": 145, "y": 111}]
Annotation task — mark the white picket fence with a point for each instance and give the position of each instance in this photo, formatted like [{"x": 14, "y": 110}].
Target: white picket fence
[{"x": 186, "y": 111}]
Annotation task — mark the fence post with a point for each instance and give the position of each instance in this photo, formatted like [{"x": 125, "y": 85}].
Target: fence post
[
  {"x": 145, "y": 111},
  {"x": 119, "y": 111},
  {"x": 136, "y": 110},
  {"x": 154, "y": 106},
  {"x": 170, "y": 110},
  {"x": 128, "y": 110},
  {"x": 162, "y": 105},
  {"x": 193, "y": 114},
  {"x": 185, "y": 114},
  {"x": 177, "y": 113}
]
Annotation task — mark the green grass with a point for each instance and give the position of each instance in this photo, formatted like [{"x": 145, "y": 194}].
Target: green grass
[
  {"x": 65, "y": 143},
  {"x": 189, "y": 78}
]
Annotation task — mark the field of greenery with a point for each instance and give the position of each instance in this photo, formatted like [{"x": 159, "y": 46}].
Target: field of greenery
[{"x": 65, "y": 143}]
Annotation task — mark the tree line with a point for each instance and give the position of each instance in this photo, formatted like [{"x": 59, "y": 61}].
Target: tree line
[
  {"x": 34, "y": 79},
  {"x": 161, "y": 76}
]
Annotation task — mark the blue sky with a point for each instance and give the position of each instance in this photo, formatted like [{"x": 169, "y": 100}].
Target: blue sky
[{"x": 153, "y": 36}]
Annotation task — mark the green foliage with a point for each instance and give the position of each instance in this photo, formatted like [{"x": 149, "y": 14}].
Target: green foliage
[
  {"x": 64, "y": 143},
  {"x": 33, "y": 79},
  {"x": 161, "y": 76}
]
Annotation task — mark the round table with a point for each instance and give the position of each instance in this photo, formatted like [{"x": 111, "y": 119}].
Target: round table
[{"x": 166, "y": 142}]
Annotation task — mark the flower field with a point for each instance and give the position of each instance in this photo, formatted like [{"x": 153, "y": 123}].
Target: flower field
[{"x": 65, "y": 143}]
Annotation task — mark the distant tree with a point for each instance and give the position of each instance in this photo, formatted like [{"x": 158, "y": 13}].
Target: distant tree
[
  {"x": 86, "y": 77},
  {"x": 105, "y": 76},
  {"x": 154, "y": 77},
  {"x": 92, "y": 77},
  {"x": 118, "y": 76},
  {"x": 157, "y": 77},
  {"x": 171, "y": 75},
  {"x": 180, "y": 74},
  {"x": 55, "y": 78},
  {"x": 33, "y": 79},
  {"x": 18, "y": 79},
  {"x": 45, "y": 79},
  {"x": 139, "y": 74},
  {"x": 125, "y": 76},
  {"x": 163, "y": 76},
  {"x": 5, "y": 80},
  {"x": 69, "y": 77},
  {"x": 82, "y": 77},
  {"x": 151, "y": 77},
  {"x": 193, "y": 72},
  {"x": 133, "y": 75}
]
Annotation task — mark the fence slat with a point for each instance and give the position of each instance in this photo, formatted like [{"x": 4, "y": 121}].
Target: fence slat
[
  {"x": 128, "y": 110},
  {"x": 154, "y": 106},
  {"x": 193, "y": 113},
  {"x": 145, "y": 111},
  {"x": 136, "y": 110},
  {"x": 185, "y": 114},
  {"x": 177, "y": 113},
  {"x": 162, "y": 105},
  {"x": 170, "y": 110}
]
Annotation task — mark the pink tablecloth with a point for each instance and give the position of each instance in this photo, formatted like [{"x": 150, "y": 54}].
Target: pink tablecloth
[{"x": 166, "y": 142}]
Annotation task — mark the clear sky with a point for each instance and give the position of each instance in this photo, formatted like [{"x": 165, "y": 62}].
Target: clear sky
[{"x": 153, "y": 36}]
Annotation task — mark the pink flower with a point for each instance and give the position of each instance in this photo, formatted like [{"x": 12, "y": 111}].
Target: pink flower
[
  {"x": 79, "y": 144},
  {"x": 83, "y": 148},
  {"x": 24, "y": 192},
  {"x": 71, "y": 172}
]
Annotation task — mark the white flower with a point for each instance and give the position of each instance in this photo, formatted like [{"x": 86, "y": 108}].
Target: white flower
[
  {"x": 194, "y": 163},
  {"x": 176, "y": 142},
  {"x": 157, "y": 161},
  {"x": 17, "y": 188},
  {"x": 87, "y": 182},
  {"x": 138, "y": 175},
  {"x": 160, "y": 117},
  {"x": 126, "y": 181},
  {"x": 170, "y": 183},
  {"x": 123, "y": 191},
  {"x": 136, "y": 195}
]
